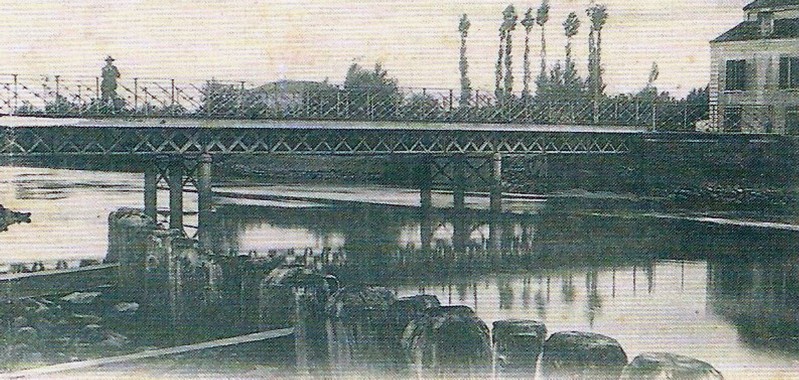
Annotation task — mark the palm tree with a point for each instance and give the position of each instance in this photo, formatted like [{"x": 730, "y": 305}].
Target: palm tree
[
  {"x": 541, "y": 19},
  {"x": 509, "y": 25},
  {"x": 466, "y": 85},
  {"x": 570, "y": 27},
  {"x": 528, "y": 22}
]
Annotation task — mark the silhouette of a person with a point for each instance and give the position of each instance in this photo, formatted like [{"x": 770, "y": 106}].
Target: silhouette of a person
[{"x": 108, "y": 87}]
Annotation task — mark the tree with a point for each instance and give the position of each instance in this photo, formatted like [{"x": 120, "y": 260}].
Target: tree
[
  {"x": 509, "y": 24},
  {"x": 598, "y": 15},
  {"x": 541, "y": 19},
  {"x": 466, "y": 84},
  {"x": 571, "y": 80},
  {"x": 371, "y": 94},
  {"x": 528, "y": 22},
  {"x": 498, "y": 72}
]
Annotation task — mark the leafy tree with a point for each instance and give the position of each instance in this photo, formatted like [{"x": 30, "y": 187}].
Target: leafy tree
[
  {"x": 372, "y": 93},
  {"x": 541, "y": 19},
  {"x": 528, "y": 22},
  {"x": 509, "y": 24},
  {"x": 466, "y": 84}
]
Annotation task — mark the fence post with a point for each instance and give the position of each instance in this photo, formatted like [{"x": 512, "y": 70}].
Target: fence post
[
  {"x": 97, "y": 98},
  {"x": 16, "y": 93},
  {"x": 685, "y": 116},
  {"x": 654, "y": 115},
  {"x": 450, "y": 102},
  {"x": 241, "y": 99},
  {"x": 369, "y": 111},
  {"x": 135, "y": 95}
]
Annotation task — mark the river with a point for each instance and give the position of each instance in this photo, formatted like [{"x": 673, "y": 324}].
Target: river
[{"x": 723, "y": 293}]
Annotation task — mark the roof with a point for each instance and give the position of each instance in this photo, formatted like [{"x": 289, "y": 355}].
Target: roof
[
  {"x": 769, "y": 4},
  {"x": 750, "y": 30}
]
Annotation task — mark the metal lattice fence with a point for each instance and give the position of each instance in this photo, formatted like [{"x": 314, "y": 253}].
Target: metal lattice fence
[{"x": 58, "y": 96}]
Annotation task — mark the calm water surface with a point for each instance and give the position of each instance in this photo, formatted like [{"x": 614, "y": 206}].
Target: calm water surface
[{"x": 726, "y": 295}]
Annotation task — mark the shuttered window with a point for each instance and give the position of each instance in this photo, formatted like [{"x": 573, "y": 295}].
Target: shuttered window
[
  {"x": 789, "y": 72},
  {"x": 736, "y": 75}
]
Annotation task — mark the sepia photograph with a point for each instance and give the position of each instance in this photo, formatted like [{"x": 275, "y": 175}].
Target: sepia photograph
[{"x": 419, "y": 189}]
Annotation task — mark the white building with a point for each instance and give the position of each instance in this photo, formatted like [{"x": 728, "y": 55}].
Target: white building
[{"x": 754, "y": 75}]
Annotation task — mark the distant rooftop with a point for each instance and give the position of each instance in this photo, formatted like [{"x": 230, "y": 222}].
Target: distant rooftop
[
  {"x": 770, "y": 4},
  {"x": 750, "y": 30}
]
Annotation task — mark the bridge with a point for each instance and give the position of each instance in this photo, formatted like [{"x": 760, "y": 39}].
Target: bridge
[{"x": 174, "y": 130}]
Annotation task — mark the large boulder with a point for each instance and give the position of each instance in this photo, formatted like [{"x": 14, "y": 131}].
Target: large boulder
[
  {"x": 291, "y": 292},
  {"x": 582, "y": 355},
  {"x": 448, "y": 340},
  {"x": 661, "y": 365},
  {"x": 360, "y": 302},
  {"x": 406, "y": 309},
  {"x": 517, "y": 344}
]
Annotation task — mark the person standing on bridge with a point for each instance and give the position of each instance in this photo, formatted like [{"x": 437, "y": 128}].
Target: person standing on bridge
[{"x": 108, "y": 87}]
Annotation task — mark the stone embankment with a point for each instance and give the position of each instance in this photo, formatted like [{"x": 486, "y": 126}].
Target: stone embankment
[{"x": 9, "y": 217}]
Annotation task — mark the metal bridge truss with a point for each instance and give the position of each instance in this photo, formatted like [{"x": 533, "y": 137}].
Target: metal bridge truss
[{"x": 153, "y": 141}]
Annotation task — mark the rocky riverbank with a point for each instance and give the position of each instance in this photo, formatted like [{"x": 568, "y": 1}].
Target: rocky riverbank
[
  {"x": 9, "y": 217},
  {"x": 77, "y": 326}
]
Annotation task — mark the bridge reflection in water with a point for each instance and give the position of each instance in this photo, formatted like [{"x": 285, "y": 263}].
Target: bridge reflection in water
[{"x": 546, "y": 264}]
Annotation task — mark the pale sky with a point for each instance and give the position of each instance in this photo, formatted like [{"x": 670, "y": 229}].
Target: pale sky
[{"x": 416, "y": 40}]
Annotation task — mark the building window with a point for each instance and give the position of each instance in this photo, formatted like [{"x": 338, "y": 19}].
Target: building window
[
  {"x": 789, "y": 72},
  {"x": 792, "y": 121},
  {"x": 766, "y": 20},
  {"x": 736, "y": 75},
  {"x": 732, "y": 119}
]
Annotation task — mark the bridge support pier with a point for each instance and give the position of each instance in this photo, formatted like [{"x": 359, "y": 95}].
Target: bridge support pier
[
  {"x": 496, "y": 184},
  {"x": 175, "y": 181},
  {"x": 151, "y": 192},
  {"x": 459, "y": 234},
  {"x": 204, "y": 200},
  {"x": 425, "y": 178}
]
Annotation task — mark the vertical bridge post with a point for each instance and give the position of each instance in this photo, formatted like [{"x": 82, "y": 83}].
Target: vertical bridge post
[
  {"x": 151, "y": 191},
  {"x": 204, "y": 200},
  {"x": 459, "y": 234},
  {"x": 175, "y": 179},
  {"x": 425, "y": 179},
  {"x": 496, "y": 184}
]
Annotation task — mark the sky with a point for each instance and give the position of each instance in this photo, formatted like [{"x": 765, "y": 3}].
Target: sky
[{"x": 417, "y": 41}]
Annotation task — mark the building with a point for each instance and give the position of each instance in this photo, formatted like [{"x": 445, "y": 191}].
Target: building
[{"x": 754, "y": 75}]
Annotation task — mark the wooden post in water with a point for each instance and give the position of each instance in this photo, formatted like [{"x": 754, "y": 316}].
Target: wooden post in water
[
  {"x": 176, "y": 194},
  {"x": 204, "y": 201},
  {"x": 151, "y": 192}
]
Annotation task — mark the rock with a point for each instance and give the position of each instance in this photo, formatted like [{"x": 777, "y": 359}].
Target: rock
[
  {"x": 83, "y": 319},
  {"x": 126, "y": 307},
  {"x": 582, "y": 355},
  {"x": 661, "y": 365},
  {"x": 360, "y": 301},
  {"x": 114, "y": 340},
  {"x": 19, "y": 322},
  {"x": 448, "y": 340},
  {"x": 26, "y": 334},
  {"x": 291, "y": 292},
  {"x": 406, "y": 309},
  {"x": 90, "y": 334},
  {"x": 81, "y": 298},
  {"x": 517, "y": 344}
]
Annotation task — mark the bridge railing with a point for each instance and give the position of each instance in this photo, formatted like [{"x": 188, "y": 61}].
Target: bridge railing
[{"x": 58, "y": 96}]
